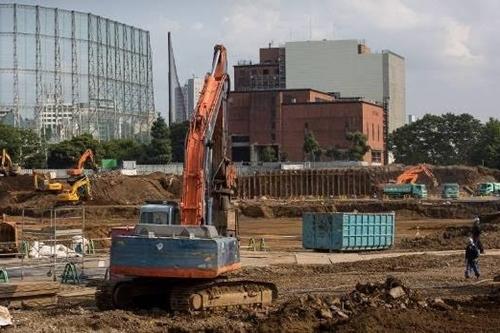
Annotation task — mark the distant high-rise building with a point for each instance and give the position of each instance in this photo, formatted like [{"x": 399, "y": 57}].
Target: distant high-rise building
[
  {"x": 194, "y": 86},
  {"x": 412, "y": 118},
  {"x": 176, "y": 93},
  {"x": 180, "y": 105},
  {"x": 349, "y": 67},
  {"x": 186, "y": 98}
]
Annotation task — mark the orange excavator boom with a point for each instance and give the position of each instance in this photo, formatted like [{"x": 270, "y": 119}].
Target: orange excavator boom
[
  {"x": 206, "y": 165},
  {"x": 410, "y": 175},
  {"x": 88, "y": 155}
]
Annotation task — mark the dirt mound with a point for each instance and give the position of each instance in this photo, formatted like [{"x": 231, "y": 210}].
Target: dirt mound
[
  {"x": 116, "y": 189},
  {"x": 404, "y": 208},
  {"x": 312, "y": 313},
  {"x": 17, "y": 183},
  {"x": 491, "y": 218},
  {"x": 107, "y": 189},
  {"x": 453, "y": 238}
]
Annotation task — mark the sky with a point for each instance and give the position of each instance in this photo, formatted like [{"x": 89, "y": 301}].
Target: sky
[{"x": 451, "y": 47}]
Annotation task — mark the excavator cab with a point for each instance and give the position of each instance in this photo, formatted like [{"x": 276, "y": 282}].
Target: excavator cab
[{"x": 160, "y": 213}]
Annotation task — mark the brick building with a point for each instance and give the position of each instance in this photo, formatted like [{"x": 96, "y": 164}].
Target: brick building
[
  {"x": 268, "y": 74},
  {"x": 280, "y": 119},
  {"x": 348, "y": 67}
]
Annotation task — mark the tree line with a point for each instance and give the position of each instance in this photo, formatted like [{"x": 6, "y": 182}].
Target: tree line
[
  {"x": 32, "y": 151},
  {"x": 435, "y": 139},
  {"x": 446, "y": 140}
]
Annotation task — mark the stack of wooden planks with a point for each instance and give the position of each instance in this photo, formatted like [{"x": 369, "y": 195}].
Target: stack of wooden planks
[{"x": 28, "y": 294}]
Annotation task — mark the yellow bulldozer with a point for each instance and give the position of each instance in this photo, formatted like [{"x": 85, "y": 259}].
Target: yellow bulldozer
[
  {"x": 79, "y": 190},
  {"x": 43, "y": 181},
  {"x": 7, "y": 167}
]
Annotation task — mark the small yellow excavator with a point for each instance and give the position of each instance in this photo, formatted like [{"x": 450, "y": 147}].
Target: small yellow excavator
[
  {"x": 80, "y": 190},
  {"x": 43, "y": 182},
  {"x": 7, "y": 167}
]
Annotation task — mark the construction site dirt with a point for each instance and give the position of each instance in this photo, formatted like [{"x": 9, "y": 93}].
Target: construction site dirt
[
  {"x": 349, "y": 297},
  {"x": 418, "y": 284}
]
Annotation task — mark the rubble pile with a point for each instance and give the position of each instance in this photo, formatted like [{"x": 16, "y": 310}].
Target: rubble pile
[{"x": 389, "y": 295}]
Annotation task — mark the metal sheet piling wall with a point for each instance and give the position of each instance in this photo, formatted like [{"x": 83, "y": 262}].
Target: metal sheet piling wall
[{"x": 307, "y": 183}]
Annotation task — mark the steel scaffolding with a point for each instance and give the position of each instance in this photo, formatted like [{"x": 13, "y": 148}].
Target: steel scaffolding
[{"x": 64, "y": 73}]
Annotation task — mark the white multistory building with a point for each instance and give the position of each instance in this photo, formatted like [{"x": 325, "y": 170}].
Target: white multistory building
[
  {"x": 351, "y": 69},
  {"x": 194, "y": 86}
]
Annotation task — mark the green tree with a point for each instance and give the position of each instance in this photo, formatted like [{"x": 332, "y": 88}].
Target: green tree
[
  {"x": 442, "y": 140},
  {"x": 23, "y": 145},
  {"x": 336, "y": 153},
  {"x": 178, "y": 134},
  {"x": 124, "y": 149},
  {"x": 160, "y": 149},
  {"x": 311, "y": 147},
  {"x": 358, "y": 146},
  {"x": 487, "y": 150},
  {"x": 268, "y": 154},
  {"x": 66, "y": 153}
]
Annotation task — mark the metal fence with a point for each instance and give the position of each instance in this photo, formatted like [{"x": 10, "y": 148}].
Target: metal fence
[
  {"x": 48, "y": 240},
  {"x": 242, "y": 168}
]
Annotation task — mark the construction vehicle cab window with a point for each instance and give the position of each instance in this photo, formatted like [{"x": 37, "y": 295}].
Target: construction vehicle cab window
[{"x": 159, "y": 214}]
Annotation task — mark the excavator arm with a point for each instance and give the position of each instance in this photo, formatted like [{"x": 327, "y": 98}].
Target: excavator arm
[
  {"x": 208, "y": 172},
  {"x": 7, "y": 167},
  {"x": 410, "y": 175},
  {"x": 88, "y": 155}
]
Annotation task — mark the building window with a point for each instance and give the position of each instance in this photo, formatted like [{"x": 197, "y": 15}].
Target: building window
[
  {"x": 240, "y": 138},
  {"x": 373, "y": 132},
  {"x": 376, "y": 156},
  {"x": 378, "y": 133},
  {"x": 265, "y": 71},
  {"x": 273, "y": 137}
]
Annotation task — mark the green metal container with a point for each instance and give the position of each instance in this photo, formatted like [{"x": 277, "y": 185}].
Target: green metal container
[
  {"x": 348, "y": 231},
  {"x": 109, "y": 164}
]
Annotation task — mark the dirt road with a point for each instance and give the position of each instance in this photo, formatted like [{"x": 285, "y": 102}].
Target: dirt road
[
  {"x": 303, "y": 291},
  {"x": 284, "y": 234}
]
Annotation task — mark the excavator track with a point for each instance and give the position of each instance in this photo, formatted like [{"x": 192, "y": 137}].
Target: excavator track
[
  {"x": 185, "y": 296},
  {"x": 104, "y": 295},
  {"x": 193, "y": 297}
]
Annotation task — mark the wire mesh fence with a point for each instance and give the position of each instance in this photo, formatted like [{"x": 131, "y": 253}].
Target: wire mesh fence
[{"x": 41, "y": 243}]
